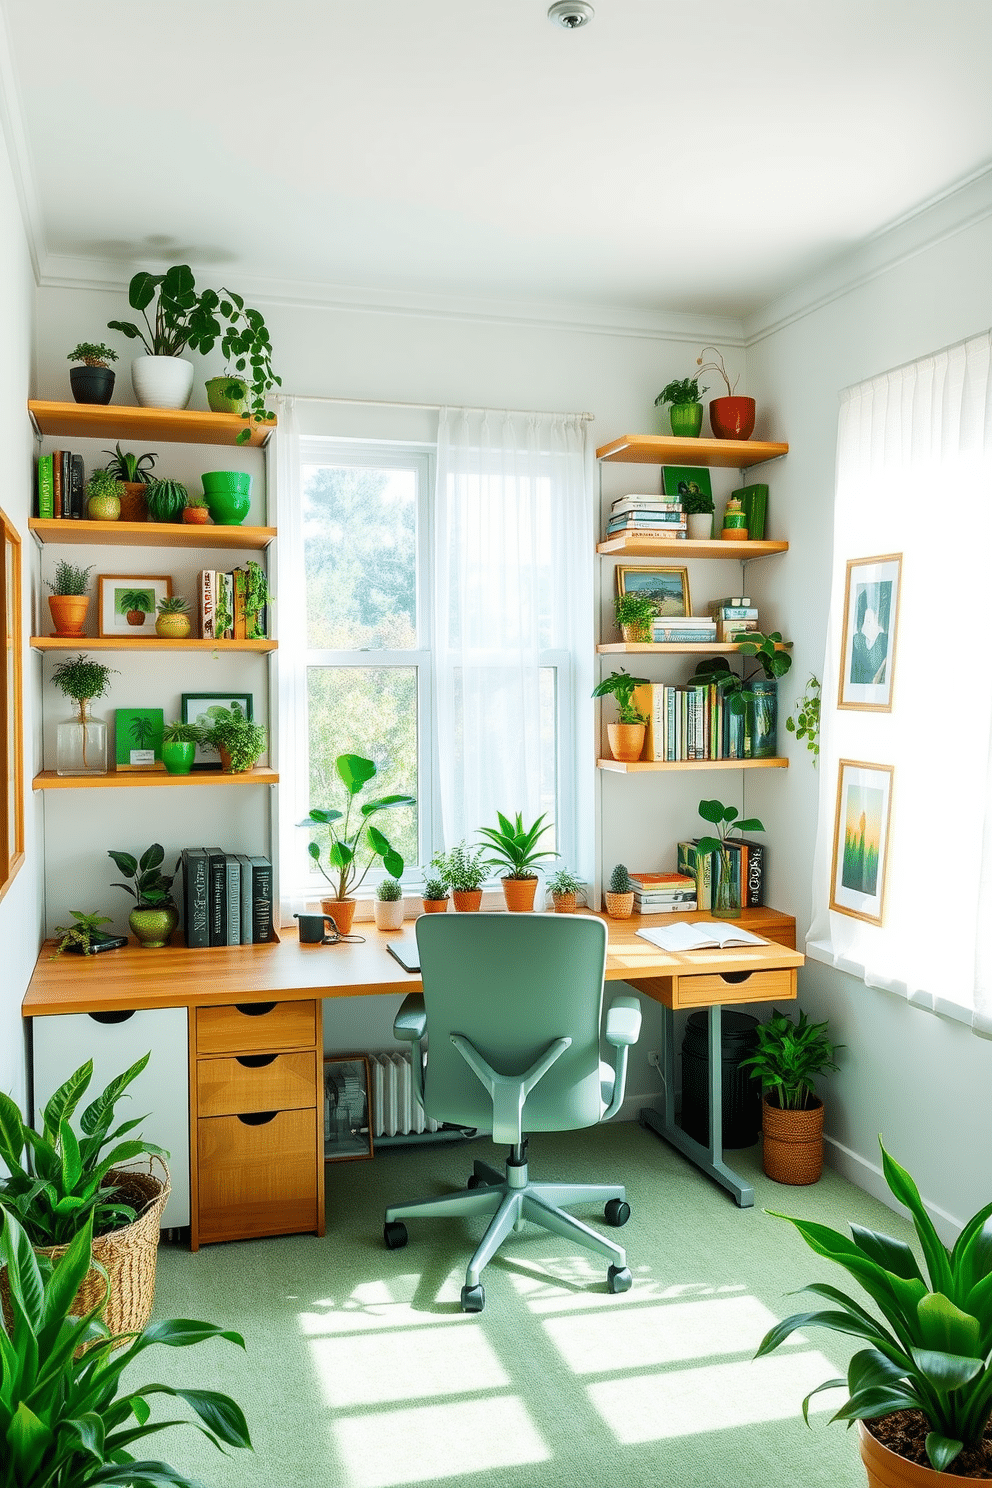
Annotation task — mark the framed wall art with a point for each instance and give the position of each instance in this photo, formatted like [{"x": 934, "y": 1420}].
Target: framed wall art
[
  {"x": 138, "y": 738},
  {"x": 686, "y": 480},
  {"x": 667, "y": 588},
  {"x": 871, "y": 615},
  {"x": 203, "y": 708},
  {"x": 127, "y": 603},
  {"x": 347, "y": 1118},
  {"x": 861, "y": 840}
]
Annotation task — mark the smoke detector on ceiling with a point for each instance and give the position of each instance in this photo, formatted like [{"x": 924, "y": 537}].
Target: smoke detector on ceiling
[{"x": 571, "y": 14}]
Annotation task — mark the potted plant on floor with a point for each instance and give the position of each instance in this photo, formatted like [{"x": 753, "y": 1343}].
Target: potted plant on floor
[
  {"x": 103, "y": 493},
  {"x": 626, "y": 736},
  {"x": 686, "y": 412},
  {"x": 154, "y": 916},
  {"x": 347, "y": 841},
  {"x": 788, "y": 1057},
  {"x": 239, "y": 742},
  {"x": 69, "y": 600},
  {"x": 727, "y": 889},
  {"x": 635, "y": 616},
  {"x": 514, "y": 847},
  {"x": 730, "y": 417},
  {"x": 81, "y": 742},
  {"x": 435, "y": 896},
  {"x": 564, "y": 889},
  {"x": 462, "y": 870},
  {"x": 134, "y": 473},
  {"x": 93, "y": 382},
  {"x": 387, "y": 906},
  {"x": 179, "y": 741},
  {"x": 925, "y": 1380},
  {"x": 620, "y": 895}
]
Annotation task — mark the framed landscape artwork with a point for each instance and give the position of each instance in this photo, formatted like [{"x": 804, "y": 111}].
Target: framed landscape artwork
[
  {"x": 667, "y": 588},
  {"x": 127, "y": 603},
  {"x": 203, "y": 708},
  {"x": 861, "y": 840},
  {"x": 871, "y": 615}
]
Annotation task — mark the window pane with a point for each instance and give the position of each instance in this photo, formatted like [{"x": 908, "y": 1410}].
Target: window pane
[
  {"x": 371, "y": 711},
  {"x": 549, "y": 754},
  {"x": 359, "y": 544}
]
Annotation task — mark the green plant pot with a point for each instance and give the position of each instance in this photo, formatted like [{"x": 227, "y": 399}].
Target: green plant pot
[
  {"x": 152, "y": 927},
  {"x": 103, "y": 508},
  {"x": 227, "y": 395},
  {"x": 226, "y": 480},
  {"x": 177, "y": 757},
  {"x": 228, "y": 508},
  {"x": 687, "y": 420}
]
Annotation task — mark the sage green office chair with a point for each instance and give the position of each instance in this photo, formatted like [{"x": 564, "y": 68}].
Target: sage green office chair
[{"x": 512, "y": 1004}]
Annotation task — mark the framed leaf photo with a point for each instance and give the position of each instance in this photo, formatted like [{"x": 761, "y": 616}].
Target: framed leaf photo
[
  {"x": 871, "y": 614},
  {"x": 861, "y": 840},
  {"x": 666, "y": 588}
]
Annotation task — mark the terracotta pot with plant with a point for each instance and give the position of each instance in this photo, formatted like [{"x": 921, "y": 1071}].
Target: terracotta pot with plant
[
  {"x": 93, "y": 382},
  {"x": 514, "y": 847},
  {"x": 435, "y": 896},
  {"x": 462, "y": 870},
  {"x": 69, "y": 600},
  {"x": 564, "y": 889},
  {"x": 789, "y": 1055},
  {"x": 626, "y": 736},
  {"x": 921, "y": 1391},
  {"x": 154, "y": 916},
  {"x": 134, "y": 473},
  {"x": 686, "y": 412},
  {"x": 239, "y": 741},
  {"x": 81, "y": 742},
  {"x": 635, "y": 616},
  {"x": 387, "y": 906},
  {"x": 195, "y": 512},
  {"x": 620, "y": 895},
  {"x": 348, "y": 842},
  {"x": 730, "y": 417}
]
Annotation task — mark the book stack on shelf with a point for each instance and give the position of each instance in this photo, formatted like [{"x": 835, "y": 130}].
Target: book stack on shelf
[
  {"x": 690, "y": 721},
  {"x": 646, "y": 516},
  {"x": 748, "y": 863},
  {"x": 223, "y": 608},
  {"x": 227, "y": 898},
  {"x": 663, "y": 893},
  {"x": 733, "y": 616},
  {"x": 59, "y": 486},
  {"x": 698, "y": 630}
]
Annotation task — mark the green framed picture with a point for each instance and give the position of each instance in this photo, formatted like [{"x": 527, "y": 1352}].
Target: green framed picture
[
  {"x": 680, "y": 480},
  {"x": 138, "y": 739},
  {"x": 203, "y": 708}
]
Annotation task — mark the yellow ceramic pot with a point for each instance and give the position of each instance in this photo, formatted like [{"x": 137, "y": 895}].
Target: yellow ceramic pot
[{"x": 173, "y": 627}]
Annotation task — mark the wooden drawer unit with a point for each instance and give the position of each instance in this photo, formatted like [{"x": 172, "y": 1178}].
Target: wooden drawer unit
[
  {"x": 778, "y": 985},
  {"x": 250, "y": 1027},
  {"x": 258, "y": 1176},
  {"x": 256, "y": 1082}
]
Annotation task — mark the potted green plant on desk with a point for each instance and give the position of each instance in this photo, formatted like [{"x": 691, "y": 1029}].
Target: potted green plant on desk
[
  {"x": 463, "y": 870},
  {"x": 154, "y": 916},
  {"x": 514, "y": 847}
]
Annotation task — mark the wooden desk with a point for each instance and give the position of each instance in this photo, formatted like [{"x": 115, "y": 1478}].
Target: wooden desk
[{"x": 286, "y": 972}]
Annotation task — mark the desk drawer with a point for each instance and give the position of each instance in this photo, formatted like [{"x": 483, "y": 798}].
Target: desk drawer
[
  {"x": 283, "y": 1082},
  {"x": 256, "y": 1027},
  {"x": 257, "y": 1179},
  {"x": 735, "y": 986}
]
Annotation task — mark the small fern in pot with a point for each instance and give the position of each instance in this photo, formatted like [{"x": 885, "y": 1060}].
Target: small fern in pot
[{"x": 238, "y": 740}]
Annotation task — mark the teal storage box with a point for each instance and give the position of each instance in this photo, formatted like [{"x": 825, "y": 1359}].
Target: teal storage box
[{"x": 754, "y": 500}]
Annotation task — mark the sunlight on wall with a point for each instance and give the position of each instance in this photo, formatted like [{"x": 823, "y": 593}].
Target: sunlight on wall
[
  {"x": 439, "y": 1441},
  {"x": 639, "y": 1338},
  {"x": 370, "y": 1370}
]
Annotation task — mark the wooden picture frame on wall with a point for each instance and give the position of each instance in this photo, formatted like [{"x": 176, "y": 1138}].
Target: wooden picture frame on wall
[
  {"x": 666, "y": 588},
  {"x": 871, "y": 619},
  {"x": 347, "y": 1108},
  {"x": 862, "y": 819},
  {"x": 11, "y": 707}
]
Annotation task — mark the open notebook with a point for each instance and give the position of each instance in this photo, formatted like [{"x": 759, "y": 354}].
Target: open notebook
[{"x": 702, "y": 935}]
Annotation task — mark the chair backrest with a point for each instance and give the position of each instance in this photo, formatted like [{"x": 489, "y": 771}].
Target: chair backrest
[{"x": 511, "y": 984}]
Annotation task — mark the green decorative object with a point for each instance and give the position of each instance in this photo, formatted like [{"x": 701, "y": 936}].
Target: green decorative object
[
  {"x": 686, "y": 420},
  {"x": 166, "y": 501},
  {"x": 154, "y": 917},
  {"x": 754, "y": 501},
  {"x": 138, "y": 738},
  {"x": 153, "y": 927},
  {"x": 177, "y": 757},
  {"x": 228, "y": 508},
  {"x": 762, "y": 718},
  {"x": 227, "y": 395}
]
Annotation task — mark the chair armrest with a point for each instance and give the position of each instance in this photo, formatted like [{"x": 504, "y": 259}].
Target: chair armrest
[
  {"x": 410, "y": 1023},
  {"x": 623, "y": 1021}
]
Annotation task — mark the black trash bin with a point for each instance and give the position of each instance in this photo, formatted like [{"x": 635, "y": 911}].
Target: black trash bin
[{"x": 741, "y": 1094}]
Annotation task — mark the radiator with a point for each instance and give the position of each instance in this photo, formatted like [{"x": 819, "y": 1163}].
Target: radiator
[{"x": 396, "y": 1111}]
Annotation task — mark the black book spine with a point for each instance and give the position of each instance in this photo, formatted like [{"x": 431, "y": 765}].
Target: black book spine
[
  {"x": 67, "y": 510},
  {"x": 217, "y": 900},
  {"x": 261, "y": 901},
  {"x": 755, "y": 888},
  {"x": 195, "y": 897},
  {"x": 76, "y": 484}
]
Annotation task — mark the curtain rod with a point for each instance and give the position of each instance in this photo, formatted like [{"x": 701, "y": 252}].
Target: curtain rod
[{"x": 427, "y": 407}]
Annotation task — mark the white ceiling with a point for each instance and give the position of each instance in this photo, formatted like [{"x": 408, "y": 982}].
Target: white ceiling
[{"x": 687, "y": 156}]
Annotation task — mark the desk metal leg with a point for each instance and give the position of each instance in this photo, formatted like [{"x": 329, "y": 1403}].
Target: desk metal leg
[{"x": 708, "y": 1159}]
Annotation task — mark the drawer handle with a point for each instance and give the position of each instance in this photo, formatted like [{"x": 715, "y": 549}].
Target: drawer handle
[
  {"x": 258, "y": 1118},
  {"x": 734, "y": 976},
  {"x": 255, "y": 1061},
  {"x": 254, "y": 1009},
  {"x": 116, "y": 1017}
]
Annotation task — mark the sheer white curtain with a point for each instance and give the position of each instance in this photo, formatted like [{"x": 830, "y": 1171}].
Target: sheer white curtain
[
  {"x": 289, "y": 671},
  {"x": 513, "y": 617},
  {"x": 914, "y": 477}
]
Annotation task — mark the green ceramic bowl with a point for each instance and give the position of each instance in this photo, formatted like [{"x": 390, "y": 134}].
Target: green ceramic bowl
[
  {"x": 226, "y": 480},
  {"x": 228, "y": 508}
]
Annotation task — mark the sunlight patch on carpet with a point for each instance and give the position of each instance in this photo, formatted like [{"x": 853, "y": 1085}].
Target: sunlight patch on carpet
[
  {"x": 413, "y": 1365},
  {"x": 375, "y": 1305},
  {"x": 716, "y": 1397},
  {"x": 575, "y": 1283},
  {"x": 390, "y": 1448},
  {"x": 636, "y": 1338}
]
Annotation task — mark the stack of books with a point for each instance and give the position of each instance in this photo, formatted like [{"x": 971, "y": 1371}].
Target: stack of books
[
  {"x": 734, "y": 616},
  {"x": 646, "y": 516},
  {"x": 694, "y": 629},
  {"x": 222, "y": 611},
  {"x": 227, "y": 898},
  {"x": 663, "y": 893},
  {"x": 59, "y": 487},
  {"x": 747, "y": 859}
]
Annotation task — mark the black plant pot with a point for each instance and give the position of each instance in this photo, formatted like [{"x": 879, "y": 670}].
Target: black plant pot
[{"x": 92, "y": 384}]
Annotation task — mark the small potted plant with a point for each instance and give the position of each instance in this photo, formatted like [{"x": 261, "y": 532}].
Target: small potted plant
[
  {"x": 104, "y": 493},
  {"x": 173, "y": 620},
  {"x": 69, "y": 600},
  {"x": 154, "y": 916},
  {"x": 698, "y": 509},
  {"x": 238, "y": 740},
  {"x": 564, "y": 889},
  {"x": 686, "y": 412},
  {"x": 635, "y": 616},
  {"x": 514, "y": 847},
  {"x": 84, "y": 937},
  {"x": 727, "y": 820},
  {"x": 754, "y": 695},
  {"x": 166, "y": 500},
  {"x": 134, "y": 473},
  {"x": 93, "y": 382},
  {"x": 179, "y": 741},
  {"x": 435, "y": 896},
  {"x": 620, "y": 895},
  {"x": 788, "y": 1057},
  {"x": 195, "y": 511},
  {"x": 730, "y": 417},
  {"x": 81, "y": 742},
  {"x": 387, "y": 906},
  {"x": 626, "y": 736},
  {"x": 462, "y": 870}
]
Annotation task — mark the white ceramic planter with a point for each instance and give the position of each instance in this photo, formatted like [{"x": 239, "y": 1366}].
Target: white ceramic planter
[
  {"x": 388, "y": 913},
  {"x": 699, "y": 526},
  {"x": 162, "y": 381}
]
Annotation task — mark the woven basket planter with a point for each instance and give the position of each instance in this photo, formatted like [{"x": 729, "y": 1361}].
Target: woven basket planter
[
  {"x": 619, "y": 906},
  {"x": 792, "y": 1143}
]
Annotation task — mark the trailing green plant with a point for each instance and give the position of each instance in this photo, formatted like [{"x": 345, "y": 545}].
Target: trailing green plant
[
  {"x": 185, "y": 317},
  {"x": 66, "y": 1418},
  {"x": 346, "y": 841},
  {"x": 182, "y": 733},
  {"x": 682, "y": 390},
  {"x": 69, "y": 579},
  {"x": 787, "y": 1057},
  {"x": 82, "y": 933},
  {"x": 135, "y": 469},
  {"x": 152, "y": 887},
  {"x": 93, "y": 354},
  {"x": 434, "y": 890},
  {"x": 82, "y": 679},
  {"x": 620, "y": 685},
  {"x": 716, "y": 366},
  {"x": 563, "y": 882},
  {"x": 513, "y": 846},
  {"x": 173, "y": 604},
  {"x": 166, "y": 500},
  {"x": 806, "y": 723},
  {"x": 104, "y": 483},
  {"x": 389, "y": 891},
  {"x": 57, "y": 1176},
  {"x": 620, "y": 880},
  {"x": 257, "y": 596},
  {"x": 463, "y": 869},
  {"x": 240, "y": 738},
  {"x": 932, "y": 1351},
  {"x": 634, "y": 609},
  {"x": 773, "y": 662}
]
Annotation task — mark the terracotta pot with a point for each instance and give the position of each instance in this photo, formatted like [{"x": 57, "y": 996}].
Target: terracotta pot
[
  {"x": 388, "y": 914},
  {"x": 341, "y": 911},
  {"x": 732, "y": 418},
  {"x": 467, "y": 901},
  {"x": 626, "y": 740},
  {"x": 792, "y": 1143},
  {"x": 435, "y": 906},
  {"x": 225, "y": 763},
  {"x": 564, "y": 903},
  {"x": 195, "y": 515},
  {"x": 886, "y": 1469},
  {"x": 134, "y": 507},
  {"x": 519, "y": 894},
  {"x": 69, "y": 613},
  {"x": 619, "y": 906}
]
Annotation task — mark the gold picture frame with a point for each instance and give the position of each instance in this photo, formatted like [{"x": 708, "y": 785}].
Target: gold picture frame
[
  {"x": 862, "y": 819},
  {"x": 871, "y": 619},
  {"x": 667, "y": 588}
]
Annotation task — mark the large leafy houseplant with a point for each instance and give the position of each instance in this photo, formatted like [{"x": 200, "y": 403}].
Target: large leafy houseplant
[
  {"x": 932, "y": 1349},
  {"x": 66, "y": 1419},
  {"x": 152, "y": 888},
  {"x": 788, "y": 1055},
  {"x": 348, "y": 842}
]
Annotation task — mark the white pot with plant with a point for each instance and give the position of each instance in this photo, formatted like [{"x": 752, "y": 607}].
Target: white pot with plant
[
  {"x": 626, "y": 736},
  {"x": 698, "y": 509},
  {"x": 81, "y": 742},
  {"x": 686, "y": 410},
  {"x": 387, "y": 906},
  {"x": 93, "y": 381}
]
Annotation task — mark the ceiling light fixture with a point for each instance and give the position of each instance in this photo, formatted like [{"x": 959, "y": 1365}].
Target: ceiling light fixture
[{"x": 571, "y": 14}]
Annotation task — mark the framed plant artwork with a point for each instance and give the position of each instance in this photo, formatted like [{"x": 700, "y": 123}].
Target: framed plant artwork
[
  {"x": 127, "y": 603},
  {"x": 667, "y": 588},
  {"x": 203, "y": 708},
  {"x": 861, "y": 840},
  {"x": 347, "y": 1118},
  {"x": 138, "y": 738},
  {"x": 871, "y": 615},
  {"x": 681, "y": 480}
]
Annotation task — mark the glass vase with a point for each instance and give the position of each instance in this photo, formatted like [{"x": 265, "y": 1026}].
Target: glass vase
[
  {"x": 762, "y": 713},
  {"x": 81, "y": 744},
  {"x": 727, "y": 889}
]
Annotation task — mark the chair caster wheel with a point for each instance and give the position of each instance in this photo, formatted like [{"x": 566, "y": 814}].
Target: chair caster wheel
[
  {"x": 395, "y": 1235},
  {"x": 617, "y": 1212},
  {"x": 474, "y": 1181},
  {"x": 474, "y": 1298},
  {"x": 619, "y": 1279}
]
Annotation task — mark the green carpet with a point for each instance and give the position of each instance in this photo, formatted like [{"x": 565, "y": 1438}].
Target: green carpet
[{"x": 361, "y": 1370}]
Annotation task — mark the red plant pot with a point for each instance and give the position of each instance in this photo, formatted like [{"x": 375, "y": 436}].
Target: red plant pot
[{"x": 732, "y": 418}]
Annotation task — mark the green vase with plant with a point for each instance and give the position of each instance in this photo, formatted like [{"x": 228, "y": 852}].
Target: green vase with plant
[
  {"x": 179, "y": 741},
  {"x": 462, "y": 870},
  {"x": 727, "y": 888},
  {"x": 154, "y": 916},
  {"x": 686, "y": 411},
  {"x": 93, "y": 381},
  {"x": 69, "y": 599},
  {"x": 104, "y": 493},
  {"x": 634, "y": 615},
  {"x": 626, "y": 736},
  {"x": 514, "y": 848},
  {"x": 81, "y": 742}
]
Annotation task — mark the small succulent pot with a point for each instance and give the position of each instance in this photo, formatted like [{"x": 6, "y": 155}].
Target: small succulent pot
[
  {"x": 519, "y": 894},
  {"x": 174, "y": 627},
  {"x": 103, "y": 508},
  {"x": 619, "y": 906},
  {"x": 341, "y": 911},
  {"x": 686, "y": 419},
  {"x": 177, "y": 756},
  {"x": 467, "y": 901},
  {"x": 134, "y": 507},
  {"x": 153, "y": 927},
  {"x": 564, "y": 903},
  {"x": 69, "y": 613},
  {"x": 92, "y": 384},
  {"x": 194, "y": 515},
  {"x": 435, "y": 906},
  {"x": 227, "y": 395},
  {"x": 626, "y": 741},
  {"x": 166, "y": 501},
  {"x": 732, "y": 418},
  {"x": 388, "y": 913}
]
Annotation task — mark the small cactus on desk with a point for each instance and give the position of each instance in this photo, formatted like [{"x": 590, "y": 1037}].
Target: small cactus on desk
[{"x": 620, "y": 894}]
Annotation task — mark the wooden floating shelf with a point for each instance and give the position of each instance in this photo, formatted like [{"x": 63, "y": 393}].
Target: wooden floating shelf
[
  {"x": 149, "y": 534},
  {"x": 151, "y": 643},
  {"x": 147, "y": 779},
  {"x": 117, "y": 421},
  {"x": 620, "y": 767},
  {"x": 656, "y": 547},
  {"x": 668, "y": 648},
  {"x": 664, "y": 449}
]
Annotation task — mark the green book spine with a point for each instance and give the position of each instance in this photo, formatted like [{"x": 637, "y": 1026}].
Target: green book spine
[{"x": 46, "y": 488}]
